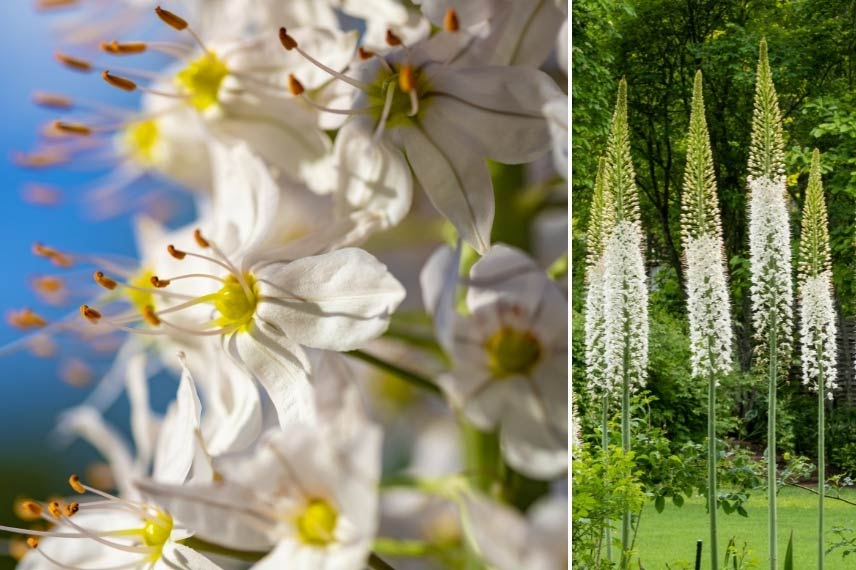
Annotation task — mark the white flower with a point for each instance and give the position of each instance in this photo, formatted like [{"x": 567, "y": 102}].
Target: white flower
[
  {"x": 595, "y": 325},
  {"x": 770, "y": 260},
  {"x": 817, "y": 331},
  {"x": 509, "y": 541},
  {"x": 556, "y": 111},
  {"x": 625, "y": 307},
  {"x": 508, "y": 32},
  {"x": 267, "y": 304},
  {"x": 510, "y": 361},
  {"x": 419, "y": 115},
  {"x": 309, "y": 495},
  {"x": 709, "y": 307}
]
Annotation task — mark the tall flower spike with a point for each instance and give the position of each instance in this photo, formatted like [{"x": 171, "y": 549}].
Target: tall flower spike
[
  {"x": 620, "y": 178},
  {"x": 766, "y": 151},
  {"x": 817, "y": 315},
  {"x": 707, "y": 286},
  {"x": 601, "y": 221}
]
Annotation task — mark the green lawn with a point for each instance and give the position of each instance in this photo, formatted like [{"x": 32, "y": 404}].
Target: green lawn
[{"x": 670, "y": 536}]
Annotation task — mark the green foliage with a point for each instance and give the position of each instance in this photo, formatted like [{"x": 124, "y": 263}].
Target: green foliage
[
  {"x": 789, "y": 554},
  {"x": 742, "y": 559},
  {"x": 604, "y": 486},
  {"x": 844, "y": 457},
  {"x": 844, "y": 541}
]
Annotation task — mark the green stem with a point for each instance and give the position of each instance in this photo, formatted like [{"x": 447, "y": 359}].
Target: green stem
[
  {"x": 772, "y": 484},
  {"x": 408, "y": 548},
  {"x": 821, "y": 460},
  {"x": 605, "y": 444},
  {"x": 377, "y": 563},
  {"x": 625, "y": 447},
  {"x": 402, "y": 373},
  {"x": 482, "y": 462},
  {"x": 711, "y": 470},
  {"x": 211, "y": 548}
]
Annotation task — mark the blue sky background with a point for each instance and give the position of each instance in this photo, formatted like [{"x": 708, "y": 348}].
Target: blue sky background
[{"x": 32, "y": 393}]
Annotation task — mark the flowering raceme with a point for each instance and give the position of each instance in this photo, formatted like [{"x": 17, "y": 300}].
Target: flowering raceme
[{"x": 299, "y": 129}]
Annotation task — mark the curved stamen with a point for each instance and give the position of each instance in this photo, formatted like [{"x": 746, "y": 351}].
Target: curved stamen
[
  {"x": 54, "y": 561},
  {"x": 384, "y": 116},
  {"x": 289, "y": 43}
]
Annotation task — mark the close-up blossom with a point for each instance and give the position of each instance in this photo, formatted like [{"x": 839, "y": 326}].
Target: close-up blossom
[{"x": 291, "y": 285}]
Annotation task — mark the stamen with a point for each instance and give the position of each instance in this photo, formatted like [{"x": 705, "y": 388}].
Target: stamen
[
  {"x": 28, "y": 510},
  {"x": 41, "y": 195},
  {"x": 159, "y": 283},
  {"x": 200, "y": 240},
  {"x": 126, "y": 48},
  {"x": 166, "y": 282},
  {"x": 414, "y": 104},
  {"x": 33, "y": 542},
  {"x": 387, "y": 107},
  {"x": 289, "y": 43},
  {"x": 295, "y": 86},
  {"x": 150, "y": 316},
  {"x": 72, "y": 508},
  {"x": 90, "y": 314},
  {"x": 25, "y": 319},
  {"x": 392, "y": 40},
  {"x": 116, "y": 81},
  {"x": 450, "y": 20},
  {"x": 50, "y": 4},
  {"x": 364, "y": 54},
  {"x": 58, "y": 259},
  {"x": 72, "y": 128},
  {"x": 54, "y": 509},
  {"x": 75, "y": 484},
  {"x": 41, "y": 159},
  {"x": 176, "y": 253},
  {"x": 104, "y": 281},
  {"x": 52, "y": 100},
  {"x": 171, "y": 19},
  {"x": 74, "y": 63}
]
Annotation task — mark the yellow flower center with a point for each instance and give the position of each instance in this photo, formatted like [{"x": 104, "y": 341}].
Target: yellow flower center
[
  {"x": 315, "y": 525},
  {"x": 401, "y": 104},
  {"x": 157, "y": 531},
  {"x": 235, "y": 304},
  {"x": 201, "y": 79},
  {"x": 141, "y": 299},
  {"x": 141, "y": 138},
  {"x": 512, "y": 352}
]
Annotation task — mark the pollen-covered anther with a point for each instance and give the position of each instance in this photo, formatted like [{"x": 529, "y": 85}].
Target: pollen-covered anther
[
  {"x": 150, "y": 316},
  {"x": 450, "y": 21},
  {"x": 52, "y": 100},
  {"x": 159, "y": 283},
  {"x": 50, "y": 4},
  {"x": 407, "y": 78},
  {"x": 74, "y": 63},
  {"x": 364, "y": 53},
  {"x": 28, "y": 510},
  {"x": 200, "y": 239},
  {"x": 71, "y": 128},
  {"x": 72, "y": 508},
  {"x": 121, "y": 82},
  {"x": 295, "y": 86},
  {"x": 26, "y": 319},
  {"x": 171, "y": 19},
  {"x": 59, "y": 259},
  {"x": 287, "y": 41},
  {"x": 176, "y": 253},
  {"x": 126, "y": 48},
  {"x": 392, "y": 39},
  {"x": 33, "y": 542},
  {"x": 104, "y": 281},
  {"x": 75, "y": 484},
  {"x": 55, "y": 509},
  {"x": 90, "y": 314}
]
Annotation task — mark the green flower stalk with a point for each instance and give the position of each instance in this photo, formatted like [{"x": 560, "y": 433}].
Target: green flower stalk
[
  {"x": 770, "y": 260},
  {"x": 601, "y": 221},
  {"x": 817, "y": 319},
  {"x": 625, "y": 296},
  {"x": 708, "y": 303}
]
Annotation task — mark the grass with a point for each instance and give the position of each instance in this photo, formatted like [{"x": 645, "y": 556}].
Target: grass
[{"x": 670, "y": 537}]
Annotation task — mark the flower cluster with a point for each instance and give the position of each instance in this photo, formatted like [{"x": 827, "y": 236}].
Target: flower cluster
[
  {"x": 302, "y": 144},
  {"x": 770, "y": 259}
]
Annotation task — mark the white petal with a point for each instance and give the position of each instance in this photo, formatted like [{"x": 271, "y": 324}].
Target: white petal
[
  {"x": 336, "y": 301},
  {"x": 439, "y": 281},
  {"x": 506, "y": 274},
  {"x": 498, "y": 531},
  {"x": 89, "y": 425},
  {"x": 177, "y": 440},
  {"x": 501, "y": 136},
  {"x": 144, "y": 425},
  {"x": 556, "y": 112},
  {"x": 373, "y": 176},
  {"x": 177, "y": 556},
  {"x": 235, "y": 418},
  {"x": 455, "y": 178},
  {"x": 529, "y": 443},
  {"x": 523, "y": 34},
  {"x": 280, "y": 366}
]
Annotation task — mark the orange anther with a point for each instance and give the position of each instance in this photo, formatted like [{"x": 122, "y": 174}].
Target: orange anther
[
  {"x": 200, "y": 241},
  {"x": 287, "y": 41},
  {"x": 171, "y": 19},
  {"x": 450, "y": 21},
  {"x": 104, "y": 281},
  {"x": 176, "y": 253},
  {"x": 392, "y": 39},
  {"x": 295, "y": 86},
  {"x": 116, "y": 81},
  {"x": 150, "y": 316},
  {"x": 90, "y": 314},
  {"x": 74, "y": 63}
]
